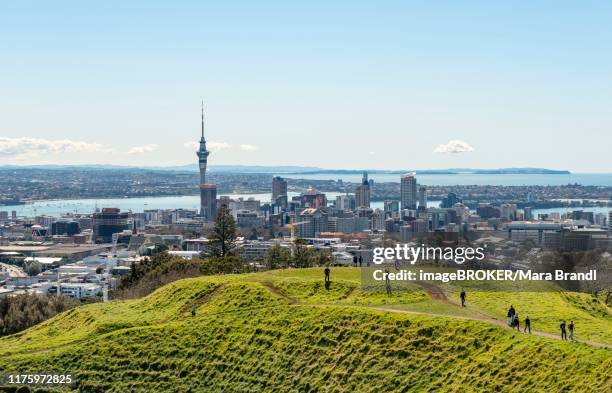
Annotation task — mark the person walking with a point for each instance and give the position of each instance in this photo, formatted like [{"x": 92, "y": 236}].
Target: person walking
[
  {"x": 327, "y": 279},
  {"x": 571, "y": 330},
  {"x": 387, "y": 281},
  {"x": 517, "y": 323},
  {"x": 563, "y": 331},
  {"x": 527, "y": 324},
  {"x": 193, "y": 310},
  {"x": 510, "y": 315},
  {"x": 462, "y": 296}
]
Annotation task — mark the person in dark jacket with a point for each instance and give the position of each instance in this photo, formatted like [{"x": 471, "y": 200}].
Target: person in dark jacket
[
  {"x": 563, "y": 331},
  {"x": 510, "y": 315},
  {"x": 527, "y": 324},
  {"x": 517, "y": 323}
]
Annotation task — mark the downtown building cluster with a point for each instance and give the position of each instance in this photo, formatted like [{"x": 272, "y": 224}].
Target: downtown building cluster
[{"x": 86, "y": 254}]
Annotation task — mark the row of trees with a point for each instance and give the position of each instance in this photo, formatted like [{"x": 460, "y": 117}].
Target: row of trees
[
  {"x": 299, "y": 256},
  {"x": 21, "y": 311}
]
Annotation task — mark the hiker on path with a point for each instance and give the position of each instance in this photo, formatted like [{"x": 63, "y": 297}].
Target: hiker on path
[
  {"x": 193, "y": 310},
  {"x": 563, "y": 331},
  {"x": 516, "y": 323},
  {"x": 462, "y": 296},
  {"x": 387, "y": 281},
  {"x": 527, "y": 324},
  {"x": 510, "y": 315},
  {"x": 327, "y": 271},
  {"x": 571, "y": 330}
]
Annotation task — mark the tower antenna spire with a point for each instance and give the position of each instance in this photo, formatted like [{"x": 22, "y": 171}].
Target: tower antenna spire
[{"x": 202, "y": 119}]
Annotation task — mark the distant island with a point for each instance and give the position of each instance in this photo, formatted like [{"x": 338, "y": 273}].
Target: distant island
[
  {"x": 461, "y": 171},
  {"x": 298, "y": 170}
]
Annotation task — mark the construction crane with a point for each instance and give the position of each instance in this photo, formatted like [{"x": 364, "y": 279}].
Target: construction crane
[{"x": 293, "y": 225}]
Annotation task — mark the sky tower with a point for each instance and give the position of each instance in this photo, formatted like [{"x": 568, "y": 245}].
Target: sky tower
[{"x": 208, "y": 192}]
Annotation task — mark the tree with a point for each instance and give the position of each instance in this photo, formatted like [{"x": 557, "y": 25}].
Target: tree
[
  {"x": 223, "y": 236},
  {"x": 33, "y": 268},
  {"x": 277, "y": 257},
  {"x": 21, "y": 311},
  {"x": 224, "y": 265},
  {"x": 302, "y": 255},
  {"x": 325, "y": 258}
]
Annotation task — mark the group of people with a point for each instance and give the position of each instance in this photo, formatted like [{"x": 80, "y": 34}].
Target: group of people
[
  {"x": 513, "y": 318},
  {"x": 515, "y": 323}
]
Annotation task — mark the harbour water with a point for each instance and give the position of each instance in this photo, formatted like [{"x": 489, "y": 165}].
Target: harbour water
[{"x": 85, "y": 206}]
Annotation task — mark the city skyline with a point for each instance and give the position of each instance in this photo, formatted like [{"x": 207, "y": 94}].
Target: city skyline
[{"x": 456, "y": 86}]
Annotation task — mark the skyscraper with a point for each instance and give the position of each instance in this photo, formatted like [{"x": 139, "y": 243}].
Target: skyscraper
[
  {"x": 208, "y": 192},
  {"x": 279, "y": 189},
  {"x": 422, "y": 198},
  {"x": 408, "y": 191},
  {"x": 362, "y": 193},
  {"x": 107, "y": 222}
]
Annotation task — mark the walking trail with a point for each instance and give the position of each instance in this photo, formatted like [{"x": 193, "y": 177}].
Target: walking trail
[{"x": 438, "y": 295}]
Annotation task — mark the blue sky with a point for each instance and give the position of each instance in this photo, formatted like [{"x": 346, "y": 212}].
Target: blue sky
[{"x": 342, "y": 85}]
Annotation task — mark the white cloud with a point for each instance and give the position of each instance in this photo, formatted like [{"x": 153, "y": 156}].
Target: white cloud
[
  {"x": 142, "y": 149},
  {"x": 454, "y": 146},
  {"x": 248, "y": 147},
  {"x": 372, "y": 153},
  {"x": 24, "y": 147},
  {"x": 191, "y": 145},
  {"x": 212, "y": 146},
  {"x": 218, "y": 146}
]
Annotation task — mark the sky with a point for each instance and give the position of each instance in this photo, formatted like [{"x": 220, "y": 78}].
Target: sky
[{"x": 348, "y": 85}]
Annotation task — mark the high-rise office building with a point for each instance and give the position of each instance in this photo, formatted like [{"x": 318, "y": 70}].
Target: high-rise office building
[
  {"x": 391, "y": 208},
  {"x": 312, "y": 198},
  {"x": 279, "y": 189},
  {"x": 314, "y": 221},
  {"x": 67, "y": 228},
  {"x": 450, "y": 200},
  {"x": 362, "y": 193},
  {"x": 208, "y": 192},
  {"x": 422, "y": 198},
  {"x": 408, "y": 191},
  {"x": 601, "y": 220},
  {"x": 107, "y": 222},
  {"x": 345, "y": 202}
]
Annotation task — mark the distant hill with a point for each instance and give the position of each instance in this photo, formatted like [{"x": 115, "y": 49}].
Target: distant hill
[
  {"x": 306, "y": 170},
  {"x": 283, "y": 331}
]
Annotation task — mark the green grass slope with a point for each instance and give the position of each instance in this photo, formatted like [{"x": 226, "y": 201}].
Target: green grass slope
[{"x": 283, "y": 331}]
